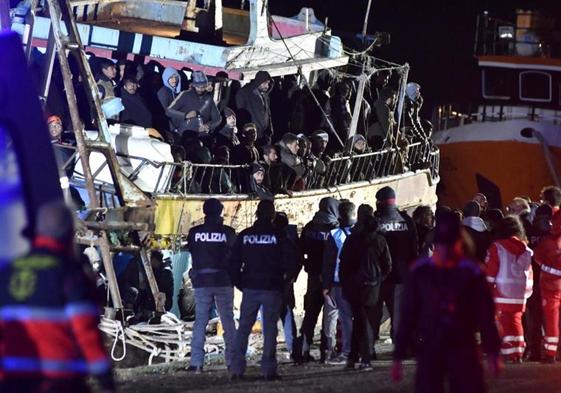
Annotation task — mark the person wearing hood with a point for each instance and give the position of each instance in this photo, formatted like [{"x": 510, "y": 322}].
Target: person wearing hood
[
  {"x": 548, "y": 257},
  {"x": 336, "y": 307},
  {"x": 294, "y": 168},
  {"x": 253, "y": 99},
  {"x": 262, "y": 260},
  {"x": 227, "y": 135},
  {"x": 196, "y": 99},
  {"x": 383, "y": 131},
  {"x": 362, "y": 274},
  {"x": 446, "y": 305},
  {"x": 210, "y": 245},
  {"x": 312, "y": 240},
  {"x": 169, "y": 92},
  {"x": 509, "y": 273},
  {"x": 401, "y": 235},
  {"x": 256, "y": 182},
  {"x": 136, "y": 111},
  {"x": 411, "y": 109},
  {"x": 476, "y": 229}
]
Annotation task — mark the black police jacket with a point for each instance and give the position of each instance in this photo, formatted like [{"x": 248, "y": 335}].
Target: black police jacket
[
  {"x": 261, "y": 258},
  {"x": 401, "y": 235},
  {"x": 210, "y": 245}
]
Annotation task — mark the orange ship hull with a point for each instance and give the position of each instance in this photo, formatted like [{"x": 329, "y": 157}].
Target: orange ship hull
[{"x": 516, "y": 168}]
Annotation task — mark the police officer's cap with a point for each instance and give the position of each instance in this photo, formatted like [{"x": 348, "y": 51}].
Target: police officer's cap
[
  {"x": 265, "y": 209},
  {"x": 213, "y": 207},
  {"x": 386, "y": 195}
]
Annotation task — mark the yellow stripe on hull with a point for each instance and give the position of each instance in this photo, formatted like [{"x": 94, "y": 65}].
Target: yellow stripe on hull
[{"x": 175, "y": 215}]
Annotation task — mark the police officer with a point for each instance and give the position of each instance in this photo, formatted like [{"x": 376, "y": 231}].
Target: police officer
[
  {"x": 210, "y": 245},
  {"x": 446, "y": 301},
  {"x": 260, "y": 258},
  {"x": 401, "y": 235}
]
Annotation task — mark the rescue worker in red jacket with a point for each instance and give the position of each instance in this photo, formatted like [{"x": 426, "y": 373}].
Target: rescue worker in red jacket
[
  {"x": 548, "y": 257},
  {"x": 509, "y": 271},
  {"x": 49, "y": 339}
]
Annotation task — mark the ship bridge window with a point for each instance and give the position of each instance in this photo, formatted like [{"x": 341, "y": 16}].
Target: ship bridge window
[
  {"x": 535, "y": 86},
  {"x": 497, "y": 83}
]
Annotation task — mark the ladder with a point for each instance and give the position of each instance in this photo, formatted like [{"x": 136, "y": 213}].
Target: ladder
[{"x": 64, "y": 41}]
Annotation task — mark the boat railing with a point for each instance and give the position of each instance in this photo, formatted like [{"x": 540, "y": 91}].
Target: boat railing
[
  {"x": 194, "y": 178},
  {"x": 448, "y": 116}
]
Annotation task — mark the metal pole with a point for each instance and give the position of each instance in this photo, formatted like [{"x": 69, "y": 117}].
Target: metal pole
[
  {"x": 4, "y": 14},
  {"x": 358, "y": 104},
  {"x": 365, "y": 25}
]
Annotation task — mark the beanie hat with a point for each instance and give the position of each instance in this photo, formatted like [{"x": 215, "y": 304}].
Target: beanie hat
[
  {"x": 198, "y": 78},
  {"x": 447, "y": 230},
  {"x": 228, "y": 112},
  {"x": 265, "y": 210},
  {"x": 213, "y": 207},
  {"x": 256, "y": 167},
  {"x": 386, "y": 195},
  {"x": 472, "y": 209}
]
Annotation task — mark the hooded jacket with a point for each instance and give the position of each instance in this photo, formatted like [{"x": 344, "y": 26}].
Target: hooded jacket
[
  {"x": 509, "y": 271},
  {"x": 257, "y": 104},
  {"x": 368, "y": 267},
  {"x": 400, "y": 233},
  {"x": 210, "y": 245},
  {"x": 331, "y": 254},
  {"x": 548, "y": 256},
  {"x": 293, "y": 161},
  {"x": 166, "y": 93},
  {"x": 477, "y": 231},
  {"x": 385, "y": 122},
  {"x": 315, "y": 234}
]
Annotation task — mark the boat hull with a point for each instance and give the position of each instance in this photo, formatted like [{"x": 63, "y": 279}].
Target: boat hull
[
  {"x": 515, "y": 168},
  {"x": 175, "y": 215}
]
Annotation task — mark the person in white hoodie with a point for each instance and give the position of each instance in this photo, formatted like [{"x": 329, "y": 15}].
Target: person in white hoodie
[{"x": 476, "y": 229}]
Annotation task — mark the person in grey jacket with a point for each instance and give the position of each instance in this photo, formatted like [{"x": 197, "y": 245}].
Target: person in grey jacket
[
  {"x": 169, "y": 92},
  {"x": 196, "y": 100}
]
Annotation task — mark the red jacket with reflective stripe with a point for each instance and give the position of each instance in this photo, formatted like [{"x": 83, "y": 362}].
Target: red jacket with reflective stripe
[
  {"x": 49, "y": 319},
  {"x": 509, "y": 271},
  {"x": 548, "y": 256}
]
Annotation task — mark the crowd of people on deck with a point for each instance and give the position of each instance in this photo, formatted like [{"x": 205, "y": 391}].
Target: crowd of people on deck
[{"x": 282, "y": 133}]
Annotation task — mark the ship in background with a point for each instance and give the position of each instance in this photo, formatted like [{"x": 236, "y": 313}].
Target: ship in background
[{"x": 511, "y": 145}]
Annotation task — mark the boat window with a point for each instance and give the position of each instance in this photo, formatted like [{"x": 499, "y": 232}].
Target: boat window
[
  {"x": 497, "y": 83},
  {"x": 535, "y": 86}
]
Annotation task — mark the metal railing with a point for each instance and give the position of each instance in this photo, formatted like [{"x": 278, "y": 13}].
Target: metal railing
[{"x": 190, "y": 178}]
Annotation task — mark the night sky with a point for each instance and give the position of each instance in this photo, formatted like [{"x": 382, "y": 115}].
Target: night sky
[{"x": 436, "y": 37}]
